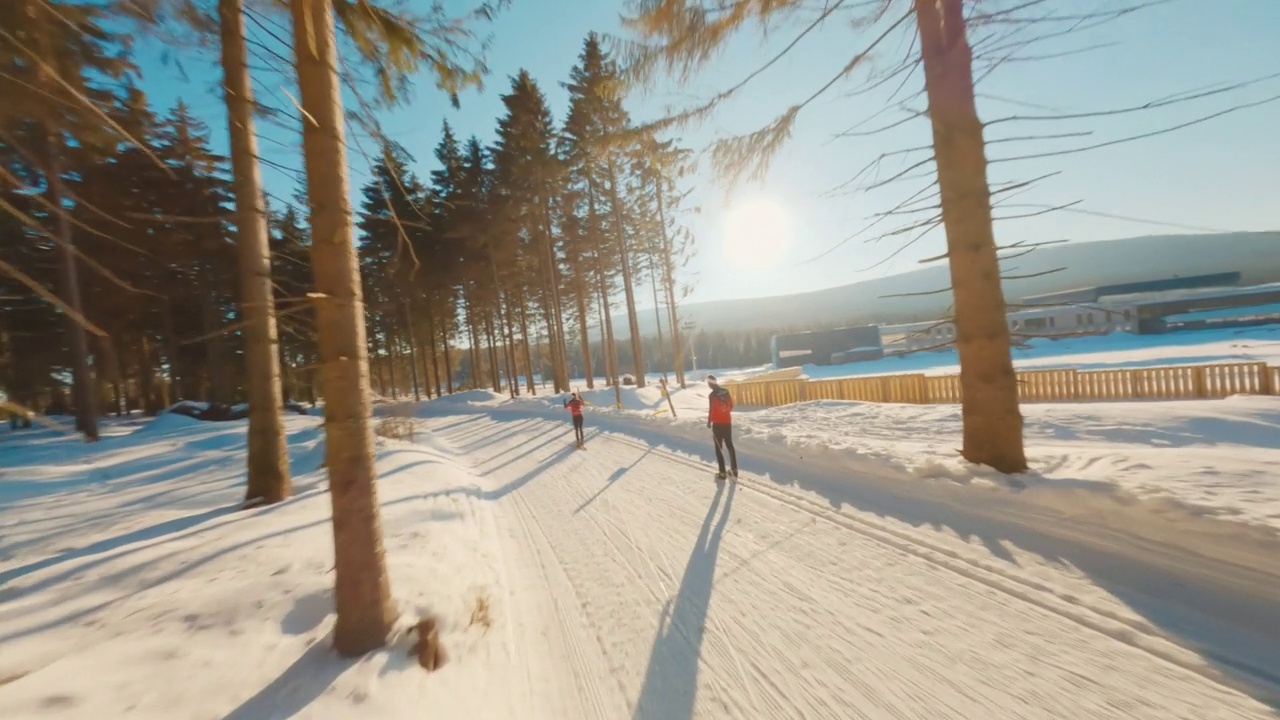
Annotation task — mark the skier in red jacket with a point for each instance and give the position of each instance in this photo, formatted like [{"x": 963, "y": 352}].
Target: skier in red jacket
[
  {"x": 720, "y": 420},
  {"x": 574, "y": 403}
]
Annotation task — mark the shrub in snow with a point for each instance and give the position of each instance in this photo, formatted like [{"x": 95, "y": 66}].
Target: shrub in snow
[{"x": 428, "y": 649}]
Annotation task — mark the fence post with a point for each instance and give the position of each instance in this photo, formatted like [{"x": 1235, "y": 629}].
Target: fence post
[
  {"x": 1264, "y": 379},
  {"x": 1201, "y": 385}
]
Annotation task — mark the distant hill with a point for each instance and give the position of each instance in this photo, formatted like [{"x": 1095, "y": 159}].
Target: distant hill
[{"x": 1256, "y": 255}]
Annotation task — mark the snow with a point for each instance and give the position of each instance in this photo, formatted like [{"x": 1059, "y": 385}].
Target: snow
[
  {"x": 856, "y": 570},
  {"x": 1117, "y": 350}
]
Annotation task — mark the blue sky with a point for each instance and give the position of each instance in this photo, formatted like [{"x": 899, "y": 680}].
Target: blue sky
[{"x": 762, "y": 239}]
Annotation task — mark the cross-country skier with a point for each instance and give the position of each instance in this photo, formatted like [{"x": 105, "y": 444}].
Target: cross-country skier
[
  {"x": 720, "y": 420},
  {"x": 574, "y": 403}
]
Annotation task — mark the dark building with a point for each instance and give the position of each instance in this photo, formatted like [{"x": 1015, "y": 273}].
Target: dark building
[
  {"x": 1234, "y": 309},
  {"x": 1087, "y": 295},
  {"x": 827, "y": 347}
]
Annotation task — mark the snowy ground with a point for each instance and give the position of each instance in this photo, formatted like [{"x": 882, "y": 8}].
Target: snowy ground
[
  {"x": 619, "y": 581},
  {"x": 1208, "y": 457}
]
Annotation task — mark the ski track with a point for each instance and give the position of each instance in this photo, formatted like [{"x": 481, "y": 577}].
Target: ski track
[{"x": 677, "y": 597}]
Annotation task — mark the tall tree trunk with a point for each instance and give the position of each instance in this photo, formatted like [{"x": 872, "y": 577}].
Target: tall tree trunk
[
  {"x": 604, "y": 345},
  {"x": 512, "y": 351},
  {"x": 213, "y": 342},
  {"x": 448, "y": 358},
  {"x": 657, "y": 318},
  {"x": 82, "y": 386},
  {"x": 548, "y": 317},
  {"x": 524, "y": 341},
  {"x": 177, "y": 378},
  {"x": 413, "y": 353},
  {"x": 268, "y": 461},
  {"x": 611, "y": 346},
  {"x": 669, "y": 287},
  {"x": 108, "y": 359},
  {"x": 392, "y": 342},
  {"x": 433, "y": 370},
  {"x": 424, "y": 355},
  {"x": 473, "y": 352},
  {"x": 146, "y": 378},
  {"x": 362, "y": 590},
  {"x": 288, "y": 374},
  {"x": 377, "y": 365},
  {"x": 584, "y": 329},
  {"x": 988, "y": 385},
  {"x": 628, "y": 285},
  {"x": 555, "y": 325},
  {"x": 493, "y": 354}
]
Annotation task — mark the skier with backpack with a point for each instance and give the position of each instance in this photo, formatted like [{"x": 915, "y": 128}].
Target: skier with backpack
[
  {"x": 574, "y": 404},
  {"x": 720, "y": 420}
]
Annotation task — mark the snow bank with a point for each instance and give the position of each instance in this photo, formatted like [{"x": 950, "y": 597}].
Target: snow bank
[
  {"x": 1216, "y": 457},
  {"x": 130, "y": 586},
  {"x": 169, "y": 422}
]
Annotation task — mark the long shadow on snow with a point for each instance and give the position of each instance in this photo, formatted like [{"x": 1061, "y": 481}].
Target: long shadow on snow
[
  {"x": 303, "y": 682},
  {"x": 102, "y": 551},
  {"x": 1175, "y": 600},
  {"x": 609, "y": 482},
  {"x": 670, "y": 685},
  {"x": 108, "y": 544},
  {"x": 176, "y": 572}
]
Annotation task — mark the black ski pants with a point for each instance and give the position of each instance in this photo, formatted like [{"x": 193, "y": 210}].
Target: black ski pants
[
  {"x": 577, "y": 427},
  {"x": 723, "y": 435}
]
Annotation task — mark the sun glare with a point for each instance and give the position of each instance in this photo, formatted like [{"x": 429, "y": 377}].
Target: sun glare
[{"x": 755, "y": 233}]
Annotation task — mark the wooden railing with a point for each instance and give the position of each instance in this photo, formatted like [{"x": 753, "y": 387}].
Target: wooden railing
[{"x": 1183, "y": 382}]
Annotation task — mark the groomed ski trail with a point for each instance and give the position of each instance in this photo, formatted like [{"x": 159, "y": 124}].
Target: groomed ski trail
[{"x": 666, "y": 595}]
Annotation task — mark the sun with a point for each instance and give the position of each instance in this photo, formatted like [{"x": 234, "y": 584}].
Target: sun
[{"x": 755, "y": 233}]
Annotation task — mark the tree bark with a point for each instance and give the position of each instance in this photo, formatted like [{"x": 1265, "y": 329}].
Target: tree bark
[
  {"x": 413, "y": 353},
  {"x": 524, "y": 341},
  {"x": 657, "y": 318},
  {"x": 669, "y": 286},
  {"x": 448, "y": 359},
  {"x": 268, "y": 460},
  {"x": 584, "y": 329},
  {"x": 433, "y": 370},
  {"x": 494, "y": 369},
  {"x": 555, "y": 327},
  {"x": 214, "y": 357},
  {"x": 628, "y": 286},
  {"x": 362, "y": 592},
  {"x": 177, "y": 378},
  {"x": 392, "y": 342},
  {"x": 988, "y": 385},
  {"x": 82, "y": 386}
]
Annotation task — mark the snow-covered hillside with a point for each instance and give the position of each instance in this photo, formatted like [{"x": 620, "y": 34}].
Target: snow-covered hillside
[{"x": 1084, "y": 264}]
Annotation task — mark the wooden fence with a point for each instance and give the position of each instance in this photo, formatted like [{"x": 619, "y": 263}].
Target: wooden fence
[{"x": 1185, "y": 382}]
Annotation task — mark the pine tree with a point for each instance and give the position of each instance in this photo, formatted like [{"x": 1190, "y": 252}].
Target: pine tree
[
  {"x": 596, "y": 130},
  {"x": 267, "y": 462},
  {"x": 679, "y": 40},
  {"x": 363, "y": 591},
  {"x": 55, "y": 59},
  {"x": 527, "y": 172}
]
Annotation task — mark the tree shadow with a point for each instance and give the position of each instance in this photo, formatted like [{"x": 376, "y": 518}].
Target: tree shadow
[
  {"x": 609, "y": 482},
  {"x": 1228, "y": 613},
  {"x": 542, "y": 466},
  {"x": 301, "y": 684},
  {"x": 105, "y": 545},
  {"x": 1207, "y": 585},
  {"x": 670, "y": 686}
]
